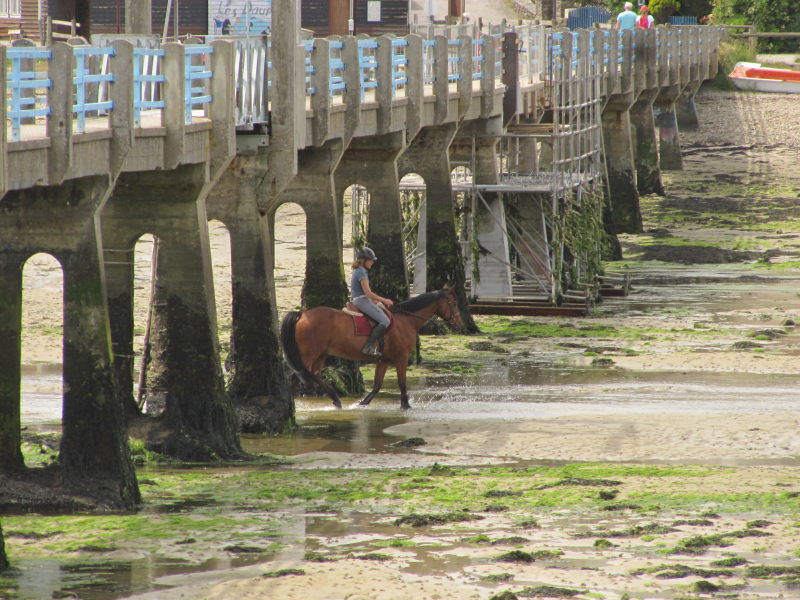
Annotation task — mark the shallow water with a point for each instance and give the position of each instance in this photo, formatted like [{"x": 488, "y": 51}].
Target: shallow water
[{"x": 497, "y": 392}]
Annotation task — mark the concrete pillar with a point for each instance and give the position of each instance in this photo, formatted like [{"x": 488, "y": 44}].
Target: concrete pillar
[
  {"x": 313, "y": 189},
  {"x": 441, "y": 260},
  {"x": 10, "y": 355},
  {"x": 61, "y": 220},
  {"x": 624, "y": 197},
  {"x": 372, "y": 162},
  {"x": 258, "y": 386},
  {"x": 198, "y": 421},
  {"x": 648, "y": 174},
  {"x": 669, "y": 143},
  {"x": 685, "y": 108}
]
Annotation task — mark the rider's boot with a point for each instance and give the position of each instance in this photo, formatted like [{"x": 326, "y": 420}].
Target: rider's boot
[{"x": 372, "y": 347}]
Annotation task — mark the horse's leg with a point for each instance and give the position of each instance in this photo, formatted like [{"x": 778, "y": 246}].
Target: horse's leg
[
  {"x": 402, "y": 366},
  {"x": 316, "y": 373},
  {"x": 380, "y": 371}
]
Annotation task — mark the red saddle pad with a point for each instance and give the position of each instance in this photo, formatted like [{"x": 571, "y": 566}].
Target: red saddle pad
[{"x": 362, "y": 325}]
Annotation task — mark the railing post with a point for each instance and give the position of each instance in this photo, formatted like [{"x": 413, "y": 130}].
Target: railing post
[
  {"x": 121, "y": 93},
  {"x": 613, "y": 60},
  {"x": 222, "y": 109},
  {"x": 59, "y": 121},
  {"x": 321, "y": 82},
  {"x": 626, "y": 72},
  {"x": 384, "y": 75},
  {"x": 352, "y": 82},
  {"x": 488, "y": 71},
  {"x": 415, "y": 86},
  {"x": 512, "y": 99},
  {"x": 464, "y": 86},
  {"x": 174, "y": 116},
  {"x": 4, "y": 129},
  {"x": 441, "y": 84}
]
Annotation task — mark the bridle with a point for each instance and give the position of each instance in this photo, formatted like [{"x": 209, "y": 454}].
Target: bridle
[
  {"x": 451, "y": 304},
  {"x": 451, "y": 317}
]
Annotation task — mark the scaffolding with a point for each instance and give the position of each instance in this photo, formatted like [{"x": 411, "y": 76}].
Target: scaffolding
[{"x": 550, "y": 172}]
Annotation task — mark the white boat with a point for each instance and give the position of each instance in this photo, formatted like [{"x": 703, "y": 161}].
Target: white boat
[{"x": 754, "y": 77}]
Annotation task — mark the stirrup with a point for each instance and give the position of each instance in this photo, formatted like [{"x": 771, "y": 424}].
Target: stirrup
[{"x": 371, "y": 348}]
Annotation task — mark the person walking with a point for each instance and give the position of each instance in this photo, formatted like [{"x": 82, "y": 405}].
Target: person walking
[
  {"x": 645, "y": 20},
  {"x": 627, "y": 18},
  {"x": 365, "y": 300}
]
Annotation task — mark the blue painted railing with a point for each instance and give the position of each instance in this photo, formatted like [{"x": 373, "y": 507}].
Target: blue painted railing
[
  {"x": 367, "y": 65},
  {"x": 453, "y": 60},
  {"x": 23, "y": 103},
  {"x": 399, "y": 65},
  {"x": 147, "y": 81},
  {"x": 337, "y": 84},
  {"x": 196, "y": 79},
  {"x": 84, "y": 77}
]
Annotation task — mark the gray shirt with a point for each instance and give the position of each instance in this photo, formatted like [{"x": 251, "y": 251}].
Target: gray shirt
[{"x": 356, "y": 290}]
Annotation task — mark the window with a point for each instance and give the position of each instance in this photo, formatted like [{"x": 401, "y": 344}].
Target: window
[{"x": 10, "y": 8}]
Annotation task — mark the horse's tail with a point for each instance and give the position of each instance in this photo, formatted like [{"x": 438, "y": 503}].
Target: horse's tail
[{"x": 290, "y": 350}]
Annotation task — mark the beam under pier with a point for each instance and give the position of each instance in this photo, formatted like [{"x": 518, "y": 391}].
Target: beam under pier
[{"x": 198, "y": 421}]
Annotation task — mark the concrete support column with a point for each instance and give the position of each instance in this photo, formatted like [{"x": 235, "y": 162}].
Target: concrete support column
[
  {"x": 198, "y": 422},
  {"x": 685, "y": 108},
  {"x": 10, "y": 354},
  {"x": 61, "y": 220},
  {"x": 669, "y": 143},
  {"x": 258, "y": 387},
  {"x": 440, "y": 259},
  {"x": 624, "y": 197},
  {"x": 648, "y": 174},
  {"x": 313, "y": 189},
  {"x": 372, "y": 162}
]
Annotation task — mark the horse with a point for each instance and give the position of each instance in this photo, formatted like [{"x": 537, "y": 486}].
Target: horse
[{"x": 309, "y": 336}]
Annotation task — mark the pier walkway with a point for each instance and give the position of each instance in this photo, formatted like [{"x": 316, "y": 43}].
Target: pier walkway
[{"x": 104, "y": 143}]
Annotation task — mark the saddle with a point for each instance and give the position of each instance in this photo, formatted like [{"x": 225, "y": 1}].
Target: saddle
[{"x": 362, "y": 324}]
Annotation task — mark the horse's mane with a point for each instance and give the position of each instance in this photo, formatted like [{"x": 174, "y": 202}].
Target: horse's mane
[{"x": 417, "y": 302}]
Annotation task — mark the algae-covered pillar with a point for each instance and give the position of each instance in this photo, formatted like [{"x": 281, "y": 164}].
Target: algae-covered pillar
[
  {"x": 313, "y": 189},
  {"x": 440, "y": 258},
  {"x": 3, "y": 557},
  {"x": 258, "y": 386},
  {"x": 625, "y": 215},
  {"x": 372, "y": 162},
  {"x": 670, "y": 85},
  {"x": 185, "y": 376},
  {"x": 60, "y": 220},
  {"x": 648, "y": 174}
]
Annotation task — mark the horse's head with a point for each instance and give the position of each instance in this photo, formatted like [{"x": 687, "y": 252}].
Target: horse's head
[{"x": 447, "y": 309}]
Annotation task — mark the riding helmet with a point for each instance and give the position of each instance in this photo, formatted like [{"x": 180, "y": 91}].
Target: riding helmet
[{"x": 366, "y": 254}]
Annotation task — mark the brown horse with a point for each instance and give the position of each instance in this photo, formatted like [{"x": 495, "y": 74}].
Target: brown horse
[{"x": 308, "y": 337}]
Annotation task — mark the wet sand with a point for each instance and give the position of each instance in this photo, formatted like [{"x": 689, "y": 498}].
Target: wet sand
[{"x": 752, "y": 137}]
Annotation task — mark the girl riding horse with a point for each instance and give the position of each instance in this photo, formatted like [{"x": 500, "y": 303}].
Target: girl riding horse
[{"x": 309, "y": 336}]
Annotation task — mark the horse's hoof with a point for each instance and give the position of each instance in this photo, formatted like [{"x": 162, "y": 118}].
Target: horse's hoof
[
  {"x": 363, "y": 403},
  {"x": 405, "y": 406},
  {"x": 337, "y": 404}
]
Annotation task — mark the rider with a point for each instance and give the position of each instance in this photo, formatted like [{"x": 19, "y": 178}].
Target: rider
[{"x": 364, "y": 298}]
